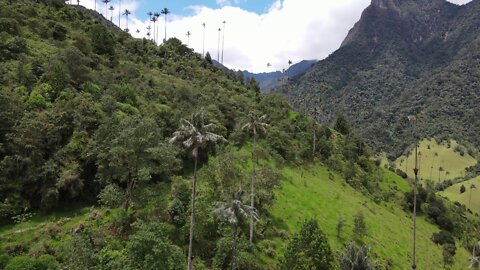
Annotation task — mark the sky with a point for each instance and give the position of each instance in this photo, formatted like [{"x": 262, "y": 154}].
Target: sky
[{"x": 257, "y": 32}]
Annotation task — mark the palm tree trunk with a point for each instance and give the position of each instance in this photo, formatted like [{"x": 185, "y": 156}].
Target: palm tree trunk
[
  {"x": 192, "y": 215},
  {"x": 156, "y": 42},
  {"x": 314, "y": 141},
  {"x": 223, "y": 41},
  {"x": 165, "y": 39},
  {"x": 414, "y": 253},
  {"x": 119, "y": 13},
  {"x": 252, "y": 202}
]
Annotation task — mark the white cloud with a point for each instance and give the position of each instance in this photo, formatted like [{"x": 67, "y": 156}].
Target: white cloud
[
  {"x": 290, "y": 30},
  {"x": 459, "y": 2}
]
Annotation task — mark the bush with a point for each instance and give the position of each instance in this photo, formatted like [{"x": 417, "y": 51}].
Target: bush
[
  {"x": 356, "y": 257},
  {"x": 359, "y": 226},
  {"x": 443, "y": 237},
  {"x": 309, "y": 249},
  {"x": 462, "y": 189},
  {"x": 111, "y": 196},
  {"x": 20, "y": 263}
]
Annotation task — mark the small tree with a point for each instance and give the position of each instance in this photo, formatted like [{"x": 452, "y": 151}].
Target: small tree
[
  {"x": 359, "y": 226},
  {"x": 339, "y": 227},
  {"x": 309, "y": 249},
  {"x": 341, "y": 125},
  {"x": 449, "y": 251},
  {"x": 462, "y": 189}
]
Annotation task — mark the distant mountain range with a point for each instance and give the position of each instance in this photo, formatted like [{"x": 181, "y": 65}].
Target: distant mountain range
[{"x": 404, "y": 57}]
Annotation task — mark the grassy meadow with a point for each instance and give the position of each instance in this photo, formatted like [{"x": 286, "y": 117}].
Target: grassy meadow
[
  {"x": 437, "y": 161},
  {"x": 318, "y": 193},
  {"x": 472, "y": 200}
]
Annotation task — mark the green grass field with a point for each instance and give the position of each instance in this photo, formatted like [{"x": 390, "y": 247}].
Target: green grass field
[
  {"x": 389, "y": 227},
  {"x": 432, "y": 157},
  {"x": 453, "y": 193}
]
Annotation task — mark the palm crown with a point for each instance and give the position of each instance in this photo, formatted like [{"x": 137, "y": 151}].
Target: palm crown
[
  {"x": 256, "y": 123},
  {"x": 195, "y": 134}
]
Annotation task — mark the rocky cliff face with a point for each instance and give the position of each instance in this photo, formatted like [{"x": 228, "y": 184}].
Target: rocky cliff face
[{"x": 403, "y": 57}]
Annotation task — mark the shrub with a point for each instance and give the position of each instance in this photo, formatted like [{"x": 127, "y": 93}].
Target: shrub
[
  {"x": 462, "y": 189},
  {"x": 356, "y": 257},
  {"x": 359, "y": 226},
  {"x": 443, "y": 237},
  {"x": 111, "y": 196}
]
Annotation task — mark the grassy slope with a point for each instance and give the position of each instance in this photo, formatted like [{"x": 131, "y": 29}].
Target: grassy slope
[
  {"x": 315, "y": 195},
  {"x": 453, "y": 193},
  {"x": 447, "y": 158}
]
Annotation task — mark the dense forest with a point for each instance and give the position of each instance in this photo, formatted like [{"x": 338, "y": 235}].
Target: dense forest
[{"x": 140, "y": 135}]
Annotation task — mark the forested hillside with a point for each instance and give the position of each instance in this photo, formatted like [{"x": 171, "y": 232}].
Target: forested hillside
[
  {"x": 412, "y": 57},
  {"x": 107, "y": 142}
]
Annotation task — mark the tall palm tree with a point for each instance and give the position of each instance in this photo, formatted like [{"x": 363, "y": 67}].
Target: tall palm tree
[
  {"x": 78, "y": 2},
  {"x": 126, "y": 13},
  {"x": 194, "y": 135},
  {"x": 95, "y": 5},
  {"x": 149, "y": 22},
  {"x": 203, "y": 39},
  {"x": 413, "y": 121},
  {"x": 157, "y": 16},
  {"x": 315, "y": 113},
  {"x": 255, "y": 125},
  {"x": 165, "y": 12},
  {"x": 289, "y": 63},
  {"x": 119, "y": 13},
  {"x": 138, "y": 31},
  {"x": 223, "y": 39},
  {"x": 188, "y": 37},
  {"x": 154, "y": 20},
  {"x": 106, "y": 7},
  {"x": 268, "y": 66},
  {"x": 233, "y": 212},
  {"x": 218, "y": 51},
  {"x": 112, "y": 8}
]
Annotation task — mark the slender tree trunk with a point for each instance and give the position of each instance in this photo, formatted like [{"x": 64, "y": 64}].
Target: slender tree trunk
[
  {"x": 106, "y": 10},
  {"x": 234, "y": 253},
  {"x": 165, "y": 39},
  {"x": 414, "y": 253},
  {"x": 223, "y": 41},
  {"x": 119, "y": 14},
  {"x": 204, "y": 42},
  {"x": 192, "y": 215},
  {"x": 314, "y": 141},
  {"x": 252, "y": 202}
]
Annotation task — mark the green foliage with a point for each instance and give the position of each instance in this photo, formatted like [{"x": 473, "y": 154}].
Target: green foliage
[
  {"x": 309, "y": 249},
  {"x": 341, "y": 125},
  {"x": 462, "y": 189},
  {"x": 44, "y": 262},
  {"x": 149, "y": 248},
  {"x": 356, "y": 257},
  {"x": 111, "y": 196},
  {"x": 102, "y": 40},
  {"x": 359, "y": 226}
]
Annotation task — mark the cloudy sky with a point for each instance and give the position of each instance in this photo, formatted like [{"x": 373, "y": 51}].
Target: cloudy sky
[{"x": 257, "y": 32}]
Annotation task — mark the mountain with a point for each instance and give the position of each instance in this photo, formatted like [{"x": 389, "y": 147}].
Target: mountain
[
  {"x": 269, "y": 80},
  {"x": 402, "y": 58}
]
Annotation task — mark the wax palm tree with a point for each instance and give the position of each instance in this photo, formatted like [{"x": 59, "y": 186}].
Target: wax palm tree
[
  {"x": 194, "y": 135},
  {"x": 78, "y": 2},
  {"x": 203, "y": 39},
  {"x": 154, "y": 20},
  {"x": 289, "y": 63},
  {"x": 218, "y": 50},
  {"x": 126, "y": 13},
  {"x": 223, "y": 40},
  {"x": 475, "y": 259},
  {"x": 188, "y": 37},
  {"x": 254, "y": 126},
  {"x": 149, "y": 22},
  {"x": 165, "y": 12},
  {"x": 157, "y": 16},
  {"x": 233, "y": 212},
  {"x": 413, "y": 121},
  {"x": 138, "y": 31},
  {"x": 268, "y": 65},
  {"x": 95, "y": 5},
  {"x": 315, "y": 113},
  {"x": 112, "y": 8},
  {"x": 106, "y": 7}
]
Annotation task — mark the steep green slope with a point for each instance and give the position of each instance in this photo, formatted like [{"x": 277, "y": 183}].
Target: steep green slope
[
  {"x": 470, "y": 198},
  {"x": 402, "y": 58},
  {"x": 313, "y": 192}
]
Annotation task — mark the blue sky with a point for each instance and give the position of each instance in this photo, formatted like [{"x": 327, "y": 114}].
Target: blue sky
[{"x": 182, "y": 7}]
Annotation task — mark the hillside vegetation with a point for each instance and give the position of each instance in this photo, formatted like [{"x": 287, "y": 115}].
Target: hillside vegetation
[
  {"x": 470, "y": 196},
  {"x": 403, "y": 58},
  {"x": 109, "y": 143}
]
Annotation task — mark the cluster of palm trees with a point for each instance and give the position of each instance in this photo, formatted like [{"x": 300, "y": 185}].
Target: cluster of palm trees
[
  {"x": 195, "y": 135},
  {"x": 154, "y": 17}
]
